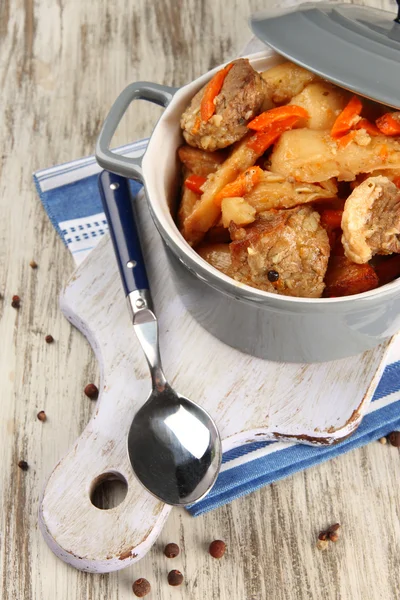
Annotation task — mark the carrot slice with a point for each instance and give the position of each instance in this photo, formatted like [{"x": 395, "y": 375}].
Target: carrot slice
[
  {"x": 331, "y": 221},
  {"x": 369, "y": 127},
  {"x": 389, "y": 123},
  {"x": 345, "y": 140},
  {"x": 347, "y": 118},
  {"x": 331, "y": 218},
  {"x": 269, "y": 117},
  {"x": 207, "y": 106},
  {"x": 194, "y": 183},
  {"x": 396, "y": 181},
  {"x": 241, "y": 186},
  {"x": 388, "y": 270},
  {"x": 264, "y": 139}
]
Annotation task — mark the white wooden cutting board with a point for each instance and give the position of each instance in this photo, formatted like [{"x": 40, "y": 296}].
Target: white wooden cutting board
[{"x": 250, "y": 399}]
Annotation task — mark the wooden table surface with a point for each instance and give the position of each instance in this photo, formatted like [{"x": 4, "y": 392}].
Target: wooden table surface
[{"x": 62, "y": 64}]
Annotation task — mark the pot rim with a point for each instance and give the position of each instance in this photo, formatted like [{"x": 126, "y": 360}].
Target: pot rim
[{"x": 193, "y": 261}]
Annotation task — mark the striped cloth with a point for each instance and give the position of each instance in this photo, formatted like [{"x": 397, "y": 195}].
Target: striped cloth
[{"x": 70, "y": 196}]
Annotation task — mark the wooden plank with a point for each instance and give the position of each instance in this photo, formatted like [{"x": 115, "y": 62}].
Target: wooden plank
[{"x": 61, "y": 66}]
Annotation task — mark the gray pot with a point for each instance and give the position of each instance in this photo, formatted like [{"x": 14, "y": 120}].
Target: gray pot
[{"x": 266, "y": 325}]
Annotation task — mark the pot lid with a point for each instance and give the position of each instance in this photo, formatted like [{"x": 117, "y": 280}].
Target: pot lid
[{"x": 356, "y": 47}]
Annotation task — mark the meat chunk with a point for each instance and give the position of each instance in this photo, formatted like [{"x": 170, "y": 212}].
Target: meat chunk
[
  {"x": 290, "y": 243},
  {"x": 371, "y": 220},
  {"x": 242, "y": 97},
  {"x": 345, "y": 278},
  {"x": 217, "y": 255},
  {"x": 200, "y": 162}
]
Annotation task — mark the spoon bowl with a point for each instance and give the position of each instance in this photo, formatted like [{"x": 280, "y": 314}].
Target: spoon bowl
[{"x": 174, "y": 448}]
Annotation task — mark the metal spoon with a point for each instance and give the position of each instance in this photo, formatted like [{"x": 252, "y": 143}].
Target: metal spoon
[{"x": 173, "y": 444}]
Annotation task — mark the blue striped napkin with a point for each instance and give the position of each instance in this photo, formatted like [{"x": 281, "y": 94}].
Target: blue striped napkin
[{"x": 70, "y": 196}]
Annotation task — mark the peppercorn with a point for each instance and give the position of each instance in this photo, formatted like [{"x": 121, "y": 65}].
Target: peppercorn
[
  {"x": 42, "y": 416},
  {"x": 91, "y": 391},
  {"x": 394, "y": 438},
  {"x": 16, "y": 301},
  {"x": 273, "y": 276},
  {"x": 23, "y": 465},
  {"x": 141, "y": 587},
  {"x": 217, "y": 548},
  {"x": 49, "y": 339},
  {"x": 33, "y": 264},
  {"x": 175, "y": 577},
  {"x": 171, "y": 550},
  {"x": 328, "y": 535}
]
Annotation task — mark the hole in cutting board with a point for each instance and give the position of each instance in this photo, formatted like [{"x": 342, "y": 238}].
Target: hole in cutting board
[{"x": 108, "y": 490}]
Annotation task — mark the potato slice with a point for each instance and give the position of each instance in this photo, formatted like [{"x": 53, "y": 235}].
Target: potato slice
[
  {"x": 237, "y": 210},
  {"x": 323, "y": 102},
  {"x": 195, "y": 162},
  {"x": 206, "y": 212},
  {"x": 274, "y": 191},
  {"x": 313, "y": 156},
  {"x": 188, "y": 202},
  {"x": 287, "y": 80}
]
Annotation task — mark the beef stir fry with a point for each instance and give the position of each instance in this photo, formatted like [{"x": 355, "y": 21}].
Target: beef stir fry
[{"x": 290, "y": 184}]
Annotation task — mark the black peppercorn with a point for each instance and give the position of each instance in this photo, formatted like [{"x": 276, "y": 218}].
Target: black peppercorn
[
  {"x": 15, "y": 303},
  {"x": 273, "y": 276}
]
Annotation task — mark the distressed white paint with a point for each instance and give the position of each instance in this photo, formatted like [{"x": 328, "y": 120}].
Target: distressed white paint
[{"x": 251, "y": 399}]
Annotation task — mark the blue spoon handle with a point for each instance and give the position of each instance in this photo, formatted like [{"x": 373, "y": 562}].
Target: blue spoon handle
[{"x": 115, "y": 195}]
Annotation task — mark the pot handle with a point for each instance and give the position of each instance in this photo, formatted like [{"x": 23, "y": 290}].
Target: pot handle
[{"x": 130, "y": 167}]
